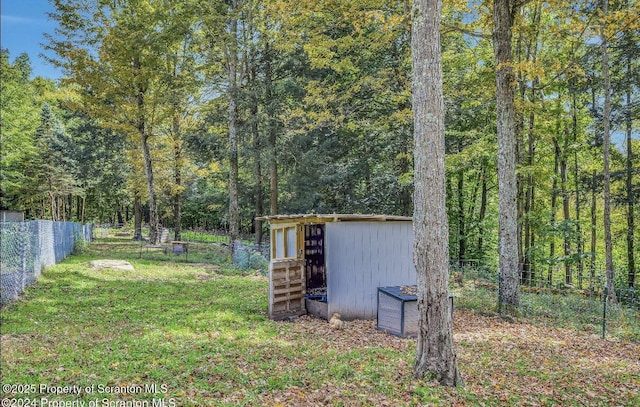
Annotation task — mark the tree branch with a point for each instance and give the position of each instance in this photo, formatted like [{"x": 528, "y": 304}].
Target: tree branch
[{"x": 449, "y": 28}]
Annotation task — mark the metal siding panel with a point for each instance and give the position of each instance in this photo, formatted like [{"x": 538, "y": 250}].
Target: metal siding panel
[
  {"x": 332, "y": 270},
  {"x": 362, "y": 256},
  {"x": 352, "y": 293},
  {"x": 369, "y": 254},
  {"x": 368, "y": 290},
  {"x": 338, "y": 244}
]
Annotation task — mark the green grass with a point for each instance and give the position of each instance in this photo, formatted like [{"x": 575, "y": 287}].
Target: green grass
[
  {"x": 199, "y": 327},
  {"x": 204, "y": 237},
  {"x": 163, "y": 323}
]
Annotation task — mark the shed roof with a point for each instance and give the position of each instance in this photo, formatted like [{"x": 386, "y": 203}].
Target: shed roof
[{"x": 334, "y": 217}]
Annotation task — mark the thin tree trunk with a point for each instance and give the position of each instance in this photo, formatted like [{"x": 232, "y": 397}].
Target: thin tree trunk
[
  {"x": 143, "y": 131},
  {"x": 509, "y": 294},
  {"x": 528, "y": 203},
  {"x": 482, "y": 214},
  {"x": 273, "y": 133},
  {"x": 594, "y": 226},
  {"x": 232, "y": 93},
  {"x": 631, "y": 276},
  {"x": 78, "y": 208},
  {"x": 154, "y": 221},
  {"x": 84, "y": 201},
  {"x": 606, "y": 123},
  {"x": 257, "y": 153},
  {"x": 530, "y": 187},
  {"x": 462, "y": 238},
  {"x": 435, "y": 354},
  {"x": 554, "y": 208},
  {"x": 576, "y": 176},
  {"x": 137, "y": 217},
  {"x": 568, "y": 274},
  {"x": 177, "y": 178}
]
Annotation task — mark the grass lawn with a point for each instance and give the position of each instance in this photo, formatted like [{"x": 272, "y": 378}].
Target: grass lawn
[{"x": 199, "y": 333}]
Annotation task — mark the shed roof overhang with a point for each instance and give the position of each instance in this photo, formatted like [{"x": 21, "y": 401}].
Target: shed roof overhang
[{"x": 334, "y": 217}]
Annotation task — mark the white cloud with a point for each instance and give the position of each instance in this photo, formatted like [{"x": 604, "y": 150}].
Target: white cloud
[{"x": 8, "y": 19}]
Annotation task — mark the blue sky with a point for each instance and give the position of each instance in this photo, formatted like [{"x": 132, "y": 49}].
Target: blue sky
[{"x": 23, "y": 24}]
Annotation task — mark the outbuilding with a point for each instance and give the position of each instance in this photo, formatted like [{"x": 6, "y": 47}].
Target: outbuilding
[{"x": 335, "y": 263}]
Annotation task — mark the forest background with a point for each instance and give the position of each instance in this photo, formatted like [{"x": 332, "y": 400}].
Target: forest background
[{"x": 208, "y": 114}]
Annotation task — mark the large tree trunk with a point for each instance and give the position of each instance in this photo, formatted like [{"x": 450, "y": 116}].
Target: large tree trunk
[
  {"x": 606, "y": 124},
  {"x": 509, "y": 295},
  {"x": 435, "y": 354}
]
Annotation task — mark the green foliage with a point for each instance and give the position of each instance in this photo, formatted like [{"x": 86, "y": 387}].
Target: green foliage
[
  {"x": 323, "y": 92},
  {"x": 79, "y": 244},
  {"x": 18, "y": 120}
]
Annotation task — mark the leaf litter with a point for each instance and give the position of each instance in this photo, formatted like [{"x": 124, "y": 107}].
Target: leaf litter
[{"x": 502, "y": 363}]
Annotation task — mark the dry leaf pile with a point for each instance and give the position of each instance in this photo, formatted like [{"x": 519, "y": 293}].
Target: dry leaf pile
[{"x": 502, "y": 363}]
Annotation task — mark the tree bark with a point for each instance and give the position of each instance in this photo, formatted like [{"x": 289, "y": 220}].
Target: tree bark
[
  {"x": 606, "y": 124},
  {"x": 509, "y": 295},
  {"x": 462, "y": 233},
  {"x": 154, "y": 221},
  {"x": 566, "y": 215},
  {"x": 482, "y": 214},
  {"x": 527, "y": 266},
  {"x": 554, "y": 200},
  {"x": 273, "y": 133},
  {"x": 177, "y": 177},
  {"x": 594, "y": 226},
  {"x": 576, "y": 176},
  {"x": 257, "y": 150},
  {"x": 232, "y": 93},
  {"x": 137, "y": 217},
  {"x": 631, "y": 275},
  {"x": 435, "y": 354}
]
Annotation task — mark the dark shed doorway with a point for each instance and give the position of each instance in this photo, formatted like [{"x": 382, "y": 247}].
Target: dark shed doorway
[{"x": 316, "y": 275}]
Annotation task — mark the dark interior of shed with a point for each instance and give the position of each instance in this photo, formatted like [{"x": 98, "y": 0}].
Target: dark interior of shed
[{"x": 316, "y": 276}]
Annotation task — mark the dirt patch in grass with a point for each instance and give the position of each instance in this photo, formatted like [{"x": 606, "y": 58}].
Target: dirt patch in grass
[{"x": 109, "y": 264}]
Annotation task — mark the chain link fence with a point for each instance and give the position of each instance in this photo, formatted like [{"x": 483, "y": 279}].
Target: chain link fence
[
  {"x": 27, "y": 247},
  {"x": 251, "y": 256}
]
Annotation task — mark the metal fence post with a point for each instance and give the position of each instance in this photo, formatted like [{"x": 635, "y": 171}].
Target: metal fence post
[
  {"x": 23, "y": 236},
  {"x": 604, "y": 313}
]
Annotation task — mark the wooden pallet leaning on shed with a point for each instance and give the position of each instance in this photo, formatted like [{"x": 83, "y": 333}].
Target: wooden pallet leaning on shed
[{"x": 286, "y": 289}]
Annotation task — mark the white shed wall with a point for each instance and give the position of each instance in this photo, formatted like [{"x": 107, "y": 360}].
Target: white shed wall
[{"x": 362, "y": 256}]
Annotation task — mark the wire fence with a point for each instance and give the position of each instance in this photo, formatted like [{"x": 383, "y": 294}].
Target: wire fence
[
  {"x": 251, "y": 256},
  {"x": 476, "y": 287},
  {"x": 27, "y": 247}
]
